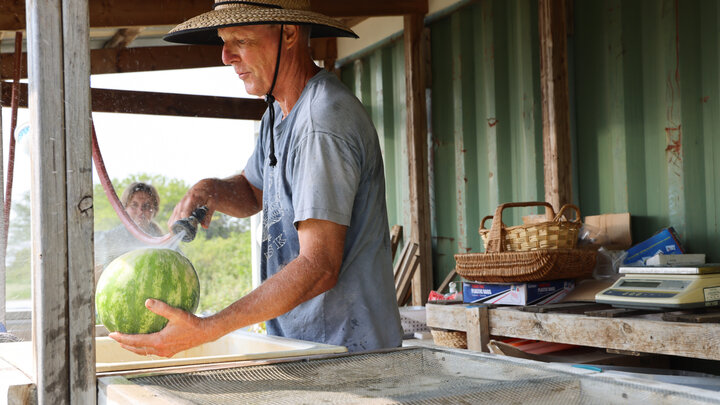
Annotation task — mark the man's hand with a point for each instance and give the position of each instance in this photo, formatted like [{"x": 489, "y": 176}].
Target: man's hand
[
  {"x": 183, "y": 331},
  {"x": 234, "y": 196},
  {"x": 202, "y": 193}
]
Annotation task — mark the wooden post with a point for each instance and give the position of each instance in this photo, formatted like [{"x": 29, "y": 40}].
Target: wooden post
[
  {"x": 3, "y": 293},
  {"x": 61, "y": 191},
  {"x": 417, "y": 155},
  {"x": 478, "y": 328},
  {"x": 555, "y": 104}
]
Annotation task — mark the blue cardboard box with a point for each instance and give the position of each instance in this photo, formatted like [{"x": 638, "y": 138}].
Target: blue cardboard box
[
  {"x": 541, "y": 292},
  {"x": 666, "y": 242}
]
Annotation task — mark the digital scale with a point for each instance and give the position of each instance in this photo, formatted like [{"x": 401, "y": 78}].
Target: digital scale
[{"x": 678, "y": 287}]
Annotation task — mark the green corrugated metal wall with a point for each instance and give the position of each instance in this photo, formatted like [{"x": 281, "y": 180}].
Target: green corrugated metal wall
[
  {"x": 648, "y": 122},
  {"x": 645, "y": 90}
]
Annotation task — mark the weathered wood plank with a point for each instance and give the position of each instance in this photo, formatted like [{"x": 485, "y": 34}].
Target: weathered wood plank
[
  {"x": 639, "y": 335},
  {"x": 143, "y": 13},
  {"x": 182, "y": 105},
  {"x": 137, "y": 59},
  {"x": 446, "y": 317},
  {"x": 478, "y": 329},
  {"x": 49, "y": 213},
  {"x": 405, "y": 274},
  {"x": 628, "y": 334},
  {"x": 555, "y": 101},
  {"x": 418, "y": 154},
  {"x": 79, "y": 192}
]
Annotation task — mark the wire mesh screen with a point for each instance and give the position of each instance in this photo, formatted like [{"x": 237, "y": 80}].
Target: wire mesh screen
[{"x": 417, "y": 376}]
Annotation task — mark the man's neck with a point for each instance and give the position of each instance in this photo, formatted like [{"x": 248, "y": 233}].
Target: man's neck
[{"x": 291, "y": 82}]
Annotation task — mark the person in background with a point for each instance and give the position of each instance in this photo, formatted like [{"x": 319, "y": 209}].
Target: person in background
[
  {"x": 317, "y": 174},
  {"x": 141, "y": 201}
]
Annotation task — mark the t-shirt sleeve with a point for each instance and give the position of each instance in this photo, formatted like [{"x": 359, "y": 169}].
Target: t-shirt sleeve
[{"x": 326, "y": 175}]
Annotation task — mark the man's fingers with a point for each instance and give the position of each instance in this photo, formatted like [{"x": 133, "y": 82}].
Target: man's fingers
[
  {"x": 206, "y": 221},
  {"x": 143, "y": 351},
  {"x": 162, "y": 309},
  {"x": 135, "y": 343}
]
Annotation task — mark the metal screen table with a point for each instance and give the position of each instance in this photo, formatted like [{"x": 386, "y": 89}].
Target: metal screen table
[{"x": 403, "y": 376}]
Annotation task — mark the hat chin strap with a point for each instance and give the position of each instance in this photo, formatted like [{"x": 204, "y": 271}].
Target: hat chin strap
[{"x": 270, "y": 100}]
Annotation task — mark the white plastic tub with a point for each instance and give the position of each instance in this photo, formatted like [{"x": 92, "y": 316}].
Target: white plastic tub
[{"x": 235, "y": 346}]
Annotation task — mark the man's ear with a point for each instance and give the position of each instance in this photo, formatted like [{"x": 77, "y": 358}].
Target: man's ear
[{"x": 291, "y": 35}]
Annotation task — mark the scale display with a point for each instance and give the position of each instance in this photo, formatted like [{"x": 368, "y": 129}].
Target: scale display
[{"x": 657, "y": 291}]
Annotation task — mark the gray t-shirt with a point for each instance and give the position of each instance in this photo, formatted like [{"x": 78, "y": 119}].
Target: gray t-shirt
[{"x": 329, "y": 167}]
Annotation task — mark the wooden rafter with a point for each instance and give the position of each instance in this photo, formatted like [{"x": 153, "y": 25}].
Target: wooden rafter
[
  {"x": 141, "y": 102},
  {"x": 120, "y": 60},
  {"x": 143, "y": 13},
  {"x": 123, "y": 37},
  {"x": 325, "y": 50}
]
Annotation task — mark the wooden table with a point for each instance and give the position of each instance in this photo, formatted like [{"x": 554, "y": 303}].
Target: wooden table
[{"x": 593, "y": 325}]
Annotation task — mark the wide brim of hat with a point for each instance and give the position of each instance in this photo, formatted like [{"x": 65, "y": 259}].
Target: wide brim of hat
[{"x": 202, "y": 30}]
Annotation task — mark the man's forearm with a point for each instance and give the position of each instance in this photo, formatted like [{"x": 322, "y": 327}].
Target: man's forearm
[
  {"x": 235, "y": 196},
  {"x": 298, "y": 282}
]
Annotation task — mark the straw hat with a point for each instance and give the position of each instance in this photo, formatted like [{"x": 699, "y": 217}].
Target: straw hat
[{"x": 203, "y": 28}]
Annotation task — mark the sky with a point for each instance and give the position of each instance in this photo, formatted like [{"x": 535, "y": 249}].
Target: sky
[{"x": 176, "y": 147}]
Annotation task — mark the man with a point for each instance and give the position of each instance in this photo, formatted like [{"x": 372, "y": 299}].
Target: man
[{"x": 317, "y": 174}]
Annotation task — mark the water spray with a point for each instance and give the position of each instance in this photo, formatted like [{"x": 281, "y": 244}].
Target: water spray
[{"x": 189, "y": 225}]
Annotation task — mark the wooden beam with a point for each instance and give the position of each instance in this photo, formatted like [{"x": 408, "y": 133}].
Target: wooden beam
[
  {"x": 155, "y": 58},
  {"x": 181, "y": 105},
  {"x": 418, "y": 154},
  {"x": 555, "y": 102},
  {"x": 352, "y": 21},
  {"x": 369, "y": 8},
  {"x": 79, "y": 202},
  {"x": 325, "y": 50},
  {"x": 144, "y": 13},
  {"x": 123, "y": 60},
  {"x": 123, "y": 37}
]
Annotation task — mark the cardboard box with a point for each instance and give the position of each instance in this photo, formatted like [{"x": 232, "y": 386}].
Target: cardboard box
[
  {"x": 541, "y": 292},
  {"x": 666, "y": 242}
]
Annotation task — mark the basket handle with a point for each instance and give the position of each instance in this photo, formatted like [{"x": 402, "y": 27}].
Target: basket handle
[
  {"x": 560, "y": 213},
  {"x": 482, "y": 223},
  {"x": 496, "y": 237}
]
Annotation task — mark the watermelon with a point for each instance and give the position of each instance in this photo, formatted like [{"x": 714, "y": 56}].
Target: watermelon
[{"x": 130, "y": 279}]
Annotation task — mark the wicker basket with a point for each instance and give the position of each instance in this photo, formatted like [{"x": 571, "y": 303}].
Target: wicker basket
[
  {"x": 556, "y": 233},
  {"x": 449, "y": 338},
  {"x": 500, "y": 264},
  {"x": 536, "y": 265}
]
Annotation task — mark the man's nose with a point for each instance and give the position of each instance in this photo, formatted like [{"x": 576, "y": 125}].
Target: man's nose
[{"x": 227, "y": 55}]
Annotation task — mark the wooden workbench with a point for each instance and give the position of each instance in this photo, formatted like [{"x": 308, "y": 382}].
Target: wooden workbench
[{"x": 585, "y": 325}]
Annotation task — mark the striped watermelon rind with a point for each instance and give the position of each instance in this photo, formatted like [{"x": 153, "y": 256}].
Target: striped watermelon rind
[{"x": 130, "y": 279}]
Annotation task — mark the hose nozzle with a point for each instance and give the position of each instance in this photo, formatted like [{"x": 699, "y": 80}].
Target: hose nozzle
[{"x": 189, "y": 225}]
